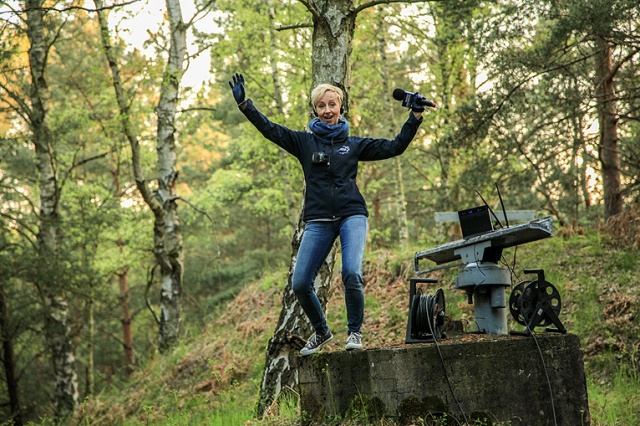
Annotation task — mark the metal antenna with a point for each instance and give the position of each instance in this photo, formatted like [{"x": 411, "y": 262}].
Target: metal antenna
[
  {"x": 506, "y": 219},
  {"x": 490, "y": 209}
]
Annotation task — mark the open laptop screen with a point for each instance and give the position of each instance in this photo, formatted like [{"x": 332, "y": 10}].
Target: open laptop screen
[{"x": 475, "y": 221}]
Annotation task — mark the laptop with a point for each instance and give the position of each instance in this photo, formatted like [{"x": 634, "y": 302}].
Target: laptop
[{"x": 475, "y": 221}]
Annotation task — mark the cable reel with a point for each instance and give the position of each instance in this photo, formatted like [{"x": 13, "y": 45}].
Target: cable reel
[
  {"x": 536, "y": 303},
  {"x": 426, "y": 314}
]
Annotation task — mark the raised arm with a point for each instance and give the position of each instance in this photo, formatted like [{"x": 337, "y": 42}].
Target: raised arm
[{"x": 287, "y": 139}]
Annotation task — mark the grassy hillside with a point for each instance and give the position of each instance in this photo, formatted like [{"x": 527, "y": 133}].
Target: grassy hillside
[{"x": 213, "y": 377}]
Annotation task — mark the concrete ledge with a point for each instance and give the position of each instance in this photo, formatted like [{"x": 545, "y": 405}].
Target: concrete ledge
[{"x": 493, "y": 379}]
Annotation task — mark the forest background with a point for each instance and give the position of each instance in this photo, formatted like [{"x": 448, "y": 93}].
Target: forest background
[{"x": 134, "y": 205}]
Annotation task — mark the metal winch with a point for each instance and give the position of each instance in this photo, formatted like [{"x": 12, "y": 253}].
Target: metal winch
[{"x": 485, "y": 282}]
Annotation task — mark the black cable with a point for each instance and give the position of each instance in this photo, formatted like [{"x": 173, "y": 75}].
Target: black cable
[
  {"x": 444, "y": 369},
  {"x": 425, "y": 318},
  {"x": 546, "y": 373},
  {"x": 511, "y": 268},
  {"x": 544, "y": 366},
  {"x": 426, "y": 305}
]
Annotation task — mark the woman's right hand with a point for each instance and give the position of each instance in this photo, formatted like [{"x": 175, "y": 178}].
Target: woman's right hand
[{"x": 237, "y": 87}]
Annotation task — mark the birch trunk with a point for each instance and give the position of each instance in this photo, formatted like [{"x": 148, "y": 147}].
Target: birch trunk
[
  {"x": 332, "y": 43},
  {"x": 56, "y": 324},
  {"x": 168, "y": 243},
  {"x": 280, "y": 367},
  {"x": 333, "y": 23}
]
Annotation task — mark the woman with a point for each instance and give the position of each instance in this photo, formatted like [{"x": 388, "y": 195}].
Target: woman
[{"x": 333, "y": 204}]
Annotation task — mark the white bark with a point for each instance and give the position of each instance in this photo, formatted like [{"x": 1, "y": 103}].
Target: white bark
[
  {"x": 57, "y": 330},
  {"x": 333, "y": 26},
  {"x": 333, "y": 23},
  {"x": 168, "y": 242},
  {"x": 280, "y": 368}
]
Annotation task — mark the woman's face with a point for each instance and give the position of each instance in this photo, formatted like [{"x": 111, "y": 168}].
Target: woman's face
[{"x": 328, "y": 108}]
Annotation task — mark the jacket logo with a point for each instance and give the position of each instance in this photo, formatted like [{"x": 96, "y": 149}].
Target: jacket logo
[{"x": 344, "y": 150}]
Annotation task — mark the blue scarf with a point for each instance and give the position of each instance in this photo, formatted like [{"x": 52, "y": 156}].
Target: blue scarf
[{"x": 337, "y": 131}]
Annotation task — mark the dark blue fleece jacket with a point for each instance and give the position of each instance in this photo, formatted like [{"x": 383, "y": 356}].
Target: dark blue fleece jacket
[{"x": 331, "y": 189}]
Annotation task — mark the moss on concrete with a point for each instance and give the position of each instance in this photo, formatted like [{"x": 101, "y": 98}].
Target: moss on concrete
[
  {"x": 366, "y": 409},
  {"x": 411, "y": 409}
]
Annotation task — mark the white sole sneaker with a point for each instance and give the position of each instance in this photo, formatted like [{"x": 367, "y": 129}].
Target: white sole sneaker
[
  {"x": 312, "y": 348},
  {"x": 354, "y": 342}
]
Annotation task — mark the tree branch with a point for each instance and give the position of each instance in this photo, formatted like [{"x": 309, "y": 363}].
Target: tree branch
[
  {"x": 88, "y": 159},
  {"x": 631, "y": 187},
  {"x": 530, "y": 77},
  {"x": 22, "y": 108},
  {"x": 20, "y": 229},
  {"x": 66, "y": 9},
  {"x": 201, "y": 10},
  {"x": 312, "y": 8},
  {"x": 294, "y": 26},
  {"x": 81, "y": 162},
  {"x": 374, "y": 3},
  {"x": 123, "y": 106},
  {"x": 150, "y": 274},
  {"x": 195, "y": 208},
  {"x": 183, "y": 110},
  {"x": 621, "y": 62}
]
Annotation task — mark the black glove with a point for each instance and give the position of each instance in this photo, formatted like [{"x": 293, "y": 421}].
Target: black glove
[
  {"x": 417, "y": 108},
  {"x": 237, "y": 87}
]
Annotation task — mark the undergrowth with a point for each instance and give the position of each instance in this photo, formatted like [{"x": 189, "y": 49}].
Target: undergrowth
[{"x": 214, "y": 377}]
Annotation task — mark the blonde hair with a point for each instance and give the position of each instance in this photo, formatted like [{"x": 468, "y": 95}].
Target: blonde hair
[{"x": 321, "y": 89}]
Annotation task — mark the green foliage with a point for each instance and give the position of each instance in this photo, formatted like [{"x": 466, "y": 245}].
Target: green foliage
[
  {"x": 514, "y": 84},
  {"x": 612, "y": 372}
]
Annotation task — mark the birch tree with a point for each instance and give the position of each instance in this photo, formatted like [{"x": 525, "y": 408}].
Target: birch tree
[
  {"x": 333, "y": 23},
  {"x": 57, "y": 327},
  {"x": 161, "y": 197},
  {"x": 30, "y": 89}
]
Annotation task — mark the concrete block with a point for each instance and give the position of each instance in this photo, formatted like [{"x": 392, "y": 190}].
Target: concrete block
[{"x": 487, "y": 379}]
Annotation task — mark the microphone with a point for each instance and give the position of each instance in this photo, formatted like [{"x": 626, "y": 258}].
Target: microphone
[{"x": 412, "y": 100}]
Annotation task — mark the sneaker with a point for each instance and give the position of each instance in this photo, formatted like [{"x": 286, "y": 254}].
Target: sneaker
[
  {"x": 354, "y": 341},
  {"x": 315, "y": 343}
]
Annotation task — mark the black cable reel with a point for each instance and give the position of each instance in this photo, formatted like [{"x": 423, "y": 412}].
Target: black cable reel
[
  {"x": 536, "y": 303},
  {"x": 426, "y": 313}
]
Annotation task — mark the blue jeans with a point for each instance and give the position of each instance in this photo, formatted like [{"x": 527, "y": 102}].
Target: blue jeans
[{"x": 316, "y": 244}]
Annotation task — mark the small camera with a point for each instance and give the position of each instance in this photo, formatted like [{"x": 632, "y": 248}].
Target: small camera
[{"x": 319, "y": 158}]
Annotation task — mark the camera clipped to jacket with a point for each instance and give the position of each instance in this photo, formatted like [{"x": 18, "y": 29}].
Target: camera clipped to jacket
[{"x": 319, "y": 158}]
